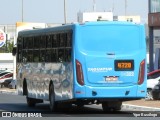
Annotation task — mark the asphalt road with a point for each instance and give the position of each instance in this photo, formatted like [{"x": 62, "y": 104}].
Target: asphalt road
[
  {"x": 10, "y": 102},
  {"x": 17, "y": 104}
]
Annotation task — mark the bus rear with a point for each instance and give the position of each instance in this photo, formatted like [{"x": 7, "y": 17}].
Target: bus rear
[{"x": 109, "y": 61}]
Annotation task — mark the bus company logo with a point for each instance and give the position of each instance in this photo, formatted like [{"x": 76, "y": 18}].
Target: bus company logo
[
  {"x": 2, "y": 38},
  {"x": 99, "y": 69},
  {"x": 6, "y": 114}
]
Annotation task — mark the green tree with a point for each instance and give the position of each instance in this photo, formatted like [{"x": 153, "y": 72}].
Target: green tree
[{"x": 7, "y": 48}]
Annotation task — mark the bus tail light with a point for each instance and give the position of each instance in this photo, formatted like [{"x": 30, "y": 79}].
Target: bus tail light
[
  {"x": 79, "y": 73},
  {"x": 141, "y": 72}
]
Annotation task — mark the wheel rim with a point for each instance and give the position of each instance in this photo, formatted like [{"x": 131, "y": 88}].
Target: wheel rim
[{"x": 149, "y": 95}]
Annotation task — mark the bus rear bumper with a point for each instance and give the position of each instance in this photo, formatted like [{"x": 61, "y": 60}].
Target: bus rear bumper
[{"x": 129, "y": 92}]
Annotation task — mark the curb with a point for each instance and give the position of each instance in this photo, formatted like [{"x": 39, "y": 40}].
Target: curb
[{"x": 139, "y": 108}]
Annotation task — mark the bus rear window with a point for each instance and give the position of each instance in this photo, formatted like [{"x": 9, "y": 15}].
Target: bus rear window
[{"x": 109, "y": 38}]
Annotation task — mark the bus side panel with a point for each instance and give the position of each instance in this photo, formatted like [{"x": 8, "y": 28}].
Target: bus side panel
[
  {"x": 19, "y": 79},
  {"x": 142, "y": 87},
  {"x": 67, "y": 81}
]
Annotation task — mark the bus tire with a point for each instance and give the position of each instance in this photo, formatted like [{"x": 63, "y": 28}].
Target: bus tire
[
  {"x": 65, "y": 106},
  {"x": 111, "y": 106},
  {"x": 149, "y": 95},
  {"x": 30, "y": 102},
  {"x": 80, "y": 105},
  {"x": 25, "y": 91},
  {"x": 52, "y": 104}
]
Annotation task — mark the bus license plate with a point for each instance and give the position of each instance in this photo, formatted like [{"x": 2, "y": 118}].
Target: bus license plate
[{"x": 111, "y": 78}]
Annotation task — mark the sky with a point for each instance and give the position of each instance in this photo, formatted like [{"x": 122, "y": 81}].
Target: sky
[{"x": 52, "y": 11}]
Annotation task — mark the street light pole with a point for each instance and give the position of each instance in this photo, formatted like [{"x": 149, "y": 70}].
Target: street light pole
[
  {"x": 94, "y": 6},
  {"x": 151, "y": 41},
  {"x": 125, "y": 7},
  {"x": 65, "y": 15},
  {"x": 149, "y": 6},
  {"x": 22, "y": 10}
]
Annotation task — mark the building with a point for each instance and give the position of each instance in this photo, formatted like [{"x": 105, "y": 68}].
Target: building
[
  {"x": 94, "y": 16},
  {"x": 135, "y": 19},
  {"x": 154, "y": 30},
  {"x": 6, "y": 61},
  {"x": 10, "y": 31}
]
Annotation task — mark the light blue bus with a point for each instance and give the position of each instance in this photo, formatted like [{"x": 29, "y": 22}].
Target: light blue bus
[{"x": 89, "y": 63}]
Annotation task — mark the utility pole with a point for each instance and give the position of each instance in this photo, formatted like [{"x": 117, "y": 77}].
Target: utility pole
[
  {"x": 94, "y": 6},
  {"x": 65, "y": 14},
  {"x": 125, "y": 7},
  {"x": 22, "y": 10},
  {"x": 113, "y": 6},
  {"x": 151, "y": 41},
  {"x": 5, "y": 31}
]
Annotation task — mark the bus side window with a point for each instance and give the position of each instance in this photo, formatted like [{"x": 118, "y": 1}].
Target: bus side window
[
  {"x": 30, "y": 43},
  {"x": 19, "y": 55},
  {"x": 68, "y": 55},
  {"x": 69, "y": 40},
  {"x": 25, "y": 43},
  {"x": 24, "y": 53},
  {"x": 54, "y": 55},
  {"x": 63, "y": 39},
  {"x": 48, "y": 42},
  {"x": 48, "y": 56},
  {"x": 42, "y": 56},
  {"x": 30, "y": 56},
  {"x": 36, "y": 42},
  {"x": 19, "y": 49},
  {"x": 55, "y": 39},
  {"x": 60, "y": 55},
  {"x": 36, "y": 56},
  {"x": 42, "y": 42}
]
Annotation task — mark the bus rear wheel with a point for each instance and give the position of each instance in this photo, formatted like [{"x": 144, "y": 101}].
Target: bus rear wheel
[
  {"x": 111, "y": 106},
  {"x": 30, "y": 102},
  {"x": 52, "y": 105}
]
